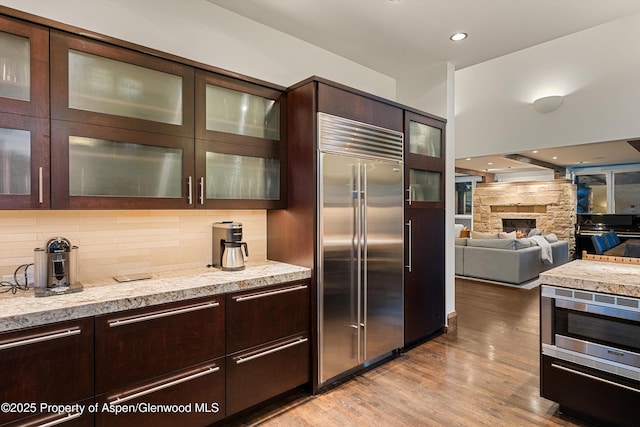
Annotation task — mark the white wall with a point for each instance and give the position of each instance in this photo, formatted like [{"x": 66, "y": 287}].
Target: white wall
[
  {"x": 203, "y": 32},
  {"x": 597, "y": 70}
]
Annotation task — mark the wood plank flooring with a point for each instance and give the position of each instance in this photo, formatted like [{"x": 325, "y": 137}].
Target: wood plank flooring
[{"x": 484, "y": 374}]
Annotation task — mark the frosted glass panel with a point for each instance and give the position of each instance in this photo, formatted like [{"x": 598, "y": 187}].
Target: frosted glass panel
[
  {"x": 108, "y": 86},
  {"x": 99, "y": 167},
  {"x": 241, "y": 177},
  {"x": 237, "y": 112},
  {"x": 424, "y": 140},
  {"x": 15, "y": 161},
  {"x": 425, "y": 186},
  {"x": 625, "y": 192},
  {"x": 15, "y": 67}
]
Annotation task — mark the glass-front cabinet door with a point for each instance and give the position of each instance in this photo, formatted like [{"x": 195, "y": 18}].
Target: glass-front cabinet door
[
  {"x": 24, "y": 162},
  {"x": 24, "y": 115},
  {"x": 424, "y": 158},
  {"x": 239, "y": 143},
  {"x": 110, "y": 168},
  {"x": 106, "y": 85}
]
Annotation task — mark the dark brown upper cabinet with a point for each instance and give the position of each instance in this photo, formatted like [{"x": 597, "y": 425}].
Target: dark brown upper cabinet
[
  {"x": 105, "y": 85},
  {"x": 241, "y": 143},
  {"x": 424, "y": 161},
  {"x": 24, "y": 115}
]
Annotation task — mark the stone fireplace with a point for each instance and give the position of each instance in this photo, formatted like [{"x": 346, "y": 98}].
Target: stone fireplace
[{"x": 549, "y": 205}]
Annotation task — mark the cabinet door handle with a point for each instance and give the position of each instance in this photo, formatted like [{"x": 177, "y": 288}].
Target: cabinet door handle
[
  {"x": 190, "y": 190},
  {"x": 297, "y": 341},
  {"x": 201, "y": 190},
  {"x": 159, "y": 314},
  {"x": 593, "y": 377},
  {"x": 68, "y": 417},
  {"x": 408, "y": 190},
  {"x": 410, "y": 254},
  {"x": 200, "y": 373},
  {"x": 40, "y": 190},
  {"x": 40, "y": 338},
  {"x": 268, "y": 293}
]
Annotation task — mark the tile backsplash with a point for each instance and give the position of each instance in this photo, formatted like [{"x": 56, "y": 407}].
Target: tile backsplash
[{"x": 125, "y": 242}]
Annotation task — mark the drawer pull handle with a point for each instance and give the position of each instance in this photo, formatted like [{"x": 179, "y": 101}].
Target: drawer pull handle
[
  {"x": 158, "y": 315},
  {"x": 269, "y": 293},
  {"x": 40, "y": 338},
  {"x": 593, "y": 377},
  {"x": 69, "y": 417},
  {"x": 241, "y": 359},
  {"x": 209, "y": 370}
]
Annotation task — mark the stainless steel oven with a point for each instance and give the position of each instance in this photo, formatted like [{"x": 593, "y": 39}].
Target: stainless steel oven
[{"x": 597, "y": 330}]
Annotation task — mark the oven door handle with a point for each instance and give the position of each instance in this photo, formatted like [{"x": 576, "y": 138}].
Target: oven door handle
[
  {"x": 598, "y": 309},
  {"x": 593, "y": 377}
]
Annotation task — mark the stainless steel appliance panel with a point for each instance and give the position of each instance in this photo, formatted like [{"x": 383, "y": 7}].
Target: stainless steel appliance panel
[
  {"x": 361, "y": 262},
  {"x": 384, "y": 257},
  {"x": 339, "y": 265}
]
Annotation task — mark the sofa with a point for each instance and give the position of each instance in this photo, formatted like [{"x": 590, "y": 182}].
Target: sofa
[{"x": 507, "y": 260}]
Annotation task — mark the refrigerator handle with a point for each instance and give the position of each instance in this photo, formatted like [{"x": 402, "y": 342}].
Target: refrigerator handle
[
  {"x": 408, "y": 224},
  {"x": 359, "y": 259},
  {"x": 363, "y": 320}
]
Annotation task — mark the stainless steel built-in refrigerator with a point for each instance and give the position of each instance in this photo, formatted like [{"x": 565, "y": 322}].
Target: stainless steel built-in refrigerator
[{"x": 360, "y": 245}]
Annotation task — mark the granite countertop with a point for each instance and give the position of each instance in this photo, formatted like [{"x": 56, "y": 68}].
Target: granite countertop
[
  {"x": 606, "y": 277},
  {"x": 23, "y": 309}
]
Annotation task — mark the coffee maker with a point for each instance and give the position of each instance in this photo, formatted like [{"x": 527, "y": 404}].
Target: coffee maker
[
  {"x": 229, "y": 251},
  {"x": 55, "y": 268}
]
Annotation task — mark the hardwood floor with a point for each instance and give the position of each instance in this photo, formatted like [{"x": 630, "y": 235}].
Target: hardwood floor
[{"x": 484, "y": 374}]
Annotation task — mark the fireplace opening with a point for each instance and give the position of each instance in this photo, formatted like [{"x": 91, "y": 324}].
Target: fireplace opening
[{"x": 522, "y": 226}]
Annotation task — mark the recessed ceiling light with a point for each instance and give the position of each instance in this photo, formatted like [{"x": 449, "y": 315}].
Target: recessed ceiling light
[
  {"x": 555, "y": 157},
  {"x": 458, "y": 36},
  {"x": 534, "y": 151},
  {"x": 490, "y": 163},
  {"x": 468, "y": 158}
]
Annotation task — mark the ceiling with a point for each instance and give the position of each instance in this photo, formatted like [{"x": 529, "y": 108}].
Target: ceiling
[
  {"x": 575, "y": 156},
  {"x": 395, "y": 37}
]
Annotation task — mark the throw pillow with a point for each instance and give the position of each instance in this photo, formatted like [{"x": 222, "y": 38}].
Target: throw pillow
[
  {"x": 551, "y": 237},
  {"x": 481, "y": 235},
  {"x": 503, "y": 235},
  {"x": 534, "y": 232},
  {"x": 523, "y": 243}
]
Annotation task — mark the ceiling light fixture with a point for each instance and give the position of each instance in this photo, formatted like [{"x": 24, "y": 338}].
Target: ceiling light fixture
[
  {"x": 547, "y": 104},
  {"x": 458, "y": 36}
]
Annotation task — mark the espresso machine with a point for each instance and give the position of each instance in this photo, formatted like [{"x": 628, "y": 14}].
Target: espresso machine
[
  {"x": 56, "y": 268},
  {"x": 230, "y": 253}
]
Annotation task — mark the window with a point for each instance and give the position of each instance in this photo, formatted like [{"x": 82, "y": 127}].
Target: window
[
  {"x": 592, "y": 193},
  {"x": 626, "y": 192}
]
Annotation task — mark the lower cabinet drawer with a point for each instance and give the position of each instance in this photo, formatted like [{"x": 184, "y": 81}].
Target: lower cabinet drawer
[
  {"x": 194, "y": 397},
  {"x": 259, "y": 316},
  {"x": 590, "y": 394},
  {"x": 138, "y": 345},
  {"x": 263, "y": 372},
  {"x": 50, "y": 364},
  {"x": 79, "y": 414}
]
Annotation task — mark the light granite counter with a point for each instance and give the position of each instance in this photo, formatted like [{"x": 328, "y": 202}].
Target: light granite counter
[
  {"x": 605, "y": 277},
  {"x": 23, "y": 309}
]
